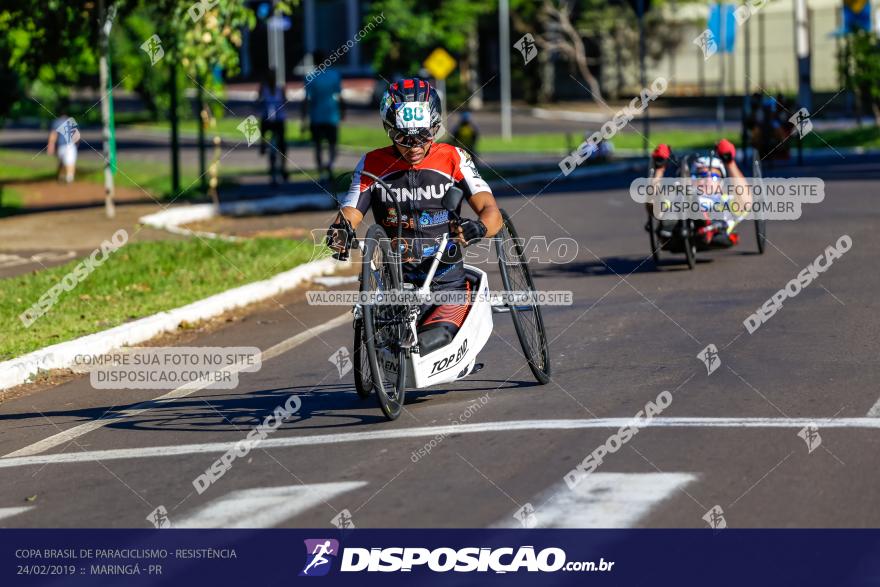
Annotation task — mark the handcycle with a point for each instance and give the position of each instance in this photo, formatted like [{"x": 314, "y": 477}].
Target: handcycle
[
  {"x": 685, "y": 234},
  {"x": 388, "y": 357}
]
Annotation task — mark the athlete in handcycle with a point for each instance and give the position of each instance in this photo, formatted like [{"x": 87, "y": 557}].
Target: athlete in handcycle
[
  {"x": 706, "y": 174},
  {"x": 415, "y": 188}
]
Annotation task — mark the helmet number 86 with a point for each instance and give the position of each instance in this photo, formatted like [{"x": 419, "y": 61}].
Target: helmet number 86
[{"x": 410, "y": 114}]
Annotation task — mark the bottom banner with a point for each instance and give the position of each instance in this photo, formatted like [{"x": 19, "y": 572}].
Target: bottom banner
[{"x": 440, "y": 557}]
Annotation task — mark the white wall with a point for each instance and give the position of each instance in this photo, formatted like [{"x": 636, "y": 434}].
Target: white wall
[{"x": 779, "y": 57}]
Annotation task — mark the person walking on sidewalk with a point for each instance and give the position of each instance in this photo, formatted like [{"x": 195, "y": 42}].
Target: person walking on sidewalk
[
  {"x": 63, "y": 140},
  {"x": 325, "y": 108},
  {"x": 272, "y": 119}
]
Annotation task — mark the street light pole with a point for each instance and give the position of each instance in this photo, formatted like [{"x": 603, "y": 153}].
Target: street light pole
[
  {"x": 802, "y": 49},
  {"x": 746, "y": 91},
  {"x": 719, "y": 110},
  {"x": 504, "y": 41},
  {"x": 646, "y": 117},
  {"x": 107, "y": 134}
]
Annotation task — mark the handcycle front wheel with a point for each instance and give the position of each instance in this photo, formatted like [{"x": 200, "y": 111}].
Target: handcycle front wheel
[
  {"x": 688, "y": 239},
  {"x": 384, "y": 325},
  {"x": 527, "y": 319},
  {"x": 363, "y": 376},
  {"x": 652, "y": 235},
  {"x": 655, "y": 246},
  {"x": 760, "y": 222}
]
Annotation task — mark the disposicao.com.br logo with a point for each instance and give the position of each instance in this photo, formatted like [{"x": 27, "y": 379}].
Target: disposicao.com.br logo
[{"x": 320, "y": 552}]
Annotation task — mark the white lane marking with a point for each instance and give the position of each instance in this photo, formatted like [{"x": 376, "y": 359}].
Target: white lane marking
[
  {"x": 874, "y": 412},
  {"x": 603, "y": 500},
  {"x": 9, "y": 512},
  {"x": 386, "y": 434},
  {"x": 264, "y": 507},
  {"x": 334, "y": 280},
  {"x": 182, "y": 391}
]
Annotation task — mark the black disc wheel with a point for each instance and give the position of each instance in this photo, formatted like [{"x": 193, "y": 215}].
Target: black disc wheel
[{"x": 527, "y": 318}]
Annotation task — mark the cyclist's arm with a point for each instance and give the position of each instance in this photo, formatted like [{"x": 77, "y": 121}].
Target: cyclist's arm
[
  {"x": 659, "y": 172},
  {"x": 479, "y": 196},
  {"x": 487, "y": 211},
  {"x": 737, "y": 178},
  {"x": 354, "y": 204},
  {"x": 352, "y": 214}
]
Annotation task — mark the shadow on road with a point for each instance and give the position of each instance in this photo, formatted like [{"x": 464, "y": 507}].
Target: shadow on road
[
  {"x": 222, "y": 412},
  {"x": 618, "y": 266}
]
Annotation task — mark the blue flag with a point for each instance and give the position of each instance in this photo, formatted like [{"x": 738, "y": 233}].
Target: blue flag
[
  {"x": 856, "y": 15},
  {"x": 723, "y": 14}
]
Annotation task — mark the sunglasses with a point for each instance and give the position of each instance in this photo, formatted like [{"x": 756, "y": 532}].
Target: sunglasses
[
  {"x": 705, "y": 175},
  {"x": 409, "y": 141}
]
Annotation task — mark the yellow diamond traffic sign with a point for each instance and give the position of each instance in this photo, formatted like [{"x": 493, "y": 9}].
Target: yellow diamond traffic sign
[{"x": 440, "y": 63}]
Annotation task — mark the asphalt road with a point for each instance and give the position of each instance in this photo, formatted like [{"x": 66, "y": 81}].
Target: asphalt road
[{"x": 727, "y": 440}]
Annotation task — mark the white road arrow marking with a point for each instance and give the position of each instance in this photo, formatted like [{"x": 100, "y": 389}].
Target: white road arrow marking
[
  {"x": 264, "y": 507},
  {"x": 611, "y": 500},
  {"x": 602, "y": 500},
  {"x": 9, "y": 512}
]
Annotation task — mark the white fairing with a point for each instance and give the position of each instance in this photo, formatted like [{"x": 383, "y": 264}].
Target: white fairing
[{"x": 456, "y": 359}]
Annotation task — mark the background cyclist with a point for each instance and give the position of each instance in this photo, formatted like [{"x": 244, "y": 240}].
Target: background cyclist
[{"x": 708, "y": 174}]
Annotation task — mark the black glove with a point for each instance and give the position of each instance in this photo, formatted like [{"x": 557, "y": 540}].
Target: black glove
[
  {"x": 472, "y": 230},
  {"x": 340, "y": 234}
]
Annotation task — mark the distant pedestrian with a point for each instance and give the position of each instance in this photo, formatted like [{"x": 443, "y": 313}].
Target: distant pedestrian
[
  {"x": 272, "y": 118},
  {"x": 324, "y": 107},
  {"x": 63, "y": 140},
  {"x": 466, "y": 134}
]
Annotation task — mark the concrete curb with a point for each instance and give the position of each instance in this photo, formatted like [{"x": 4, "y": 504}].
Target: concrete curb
[
  {"x": 589, "y": 171},
  {"x": 62, "y": 355},
  {"x": 277, "y": 205},
  {"x": 172, "y": 219}
]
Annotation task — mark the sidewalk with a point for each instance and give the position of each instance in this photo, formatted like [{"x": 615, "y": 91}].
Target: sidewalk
[
  {"x": 51, "y": 194},
  {"x": 30, "y": 242}
]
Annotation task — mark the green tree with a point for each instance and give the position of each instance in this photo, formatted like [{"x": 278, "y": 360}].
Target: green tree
[
  {"x": 413, "y": 28},
  {"x": 47, "y": 48},
  {"x": 859, "y": 66}
]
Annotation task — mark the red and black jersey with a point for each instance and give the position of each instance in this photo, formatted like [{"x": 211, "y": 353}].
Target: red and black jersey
[{"x": 418, "y": 189}]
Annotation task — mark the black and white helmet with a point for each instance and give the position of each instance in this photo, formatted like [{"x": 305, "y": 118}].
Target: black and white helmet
[{"x": 411, "y": 111}]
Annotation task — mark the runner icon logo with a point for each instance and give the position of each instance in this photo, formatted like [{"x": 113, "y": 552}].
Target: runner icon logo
[
  {"x": 810, "y": 435},
  {"x": 343, "y": 520},
  {"x": 710, "y": 358},
  {"x": 341, "y": 359},
  {"x": 715, "y": 518},
  {"x": 526, "y": 516},
  {"x": 320, "y": 553}
]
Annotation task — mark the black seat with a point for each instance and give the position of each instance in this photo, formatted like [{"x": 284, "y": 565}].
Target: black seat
[{"x": 441, "y": 334}]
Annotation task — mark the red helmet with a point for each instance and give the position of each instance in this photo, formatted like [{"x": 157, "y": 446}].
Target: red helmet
[{"x": 410, "y": 111}]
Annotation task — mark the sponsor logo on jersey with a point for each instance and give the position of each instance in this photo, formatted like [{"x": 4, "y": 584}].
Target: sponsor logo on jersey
[
  {"x": 433, "y": 218},
  {"x": 401, "y": 194},
  {"x": 428, "y": 250},
  {"x": 391, "y": 219}
]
